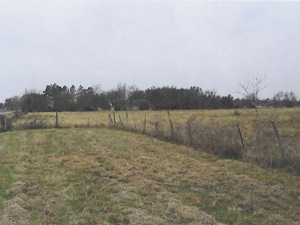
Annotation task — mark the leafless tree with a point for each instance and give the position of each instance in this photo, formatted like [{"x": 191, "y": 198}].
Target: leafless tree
[{"x": 251, "y": 88}]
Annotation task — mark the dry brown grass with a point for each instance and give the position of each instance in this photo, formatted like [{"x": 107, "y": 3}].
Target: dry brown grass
[
  {"x": 287, "y": 119},
  {"x": 230, "y": 116},
  {"x": 105, "y": 176},
  {"x": 212, "y": 130}
]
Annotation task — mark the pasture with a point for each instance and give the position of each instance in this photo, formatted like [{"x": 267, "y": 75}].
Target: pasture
[
  {"x": 288, "y": 119},
  {"x": 109, "y": 176},
  {"x": 214, "y": 131},
  {"x": 286, "y": 116}
]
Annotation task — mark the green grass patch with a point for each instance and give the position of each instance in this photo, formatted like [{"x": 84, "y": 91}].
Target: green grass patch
[
  {"x": 6, "y": 180},
  {"x": 105, "y": 176}
]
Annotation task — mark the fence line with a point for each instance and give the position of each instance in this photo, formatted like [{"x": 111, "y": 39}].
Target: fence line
[{"x": 226, "y": 141}]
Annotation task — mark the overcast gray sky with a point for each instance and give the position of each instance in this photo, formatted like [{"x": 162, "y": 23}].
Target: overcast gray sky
[{"x": 212, "y": 45}]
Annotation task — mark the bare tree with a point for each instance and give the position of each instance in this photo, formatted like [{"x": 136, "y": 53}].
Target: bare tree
[
  {"x": 97, "y": 89},
  {"x": 251, "y": 88}
]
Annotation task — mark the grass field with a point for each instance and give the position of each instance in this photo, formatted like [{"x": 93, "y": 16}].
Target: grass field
[
  {"x": 108, "y": 176},
  {"x": 214, "y": 131},
  {"x": 287, "y": 119}
]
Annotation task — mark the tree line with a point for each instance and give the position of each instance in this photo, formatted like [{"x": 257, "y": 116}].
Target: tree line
[{"x": 123, "y": 97}]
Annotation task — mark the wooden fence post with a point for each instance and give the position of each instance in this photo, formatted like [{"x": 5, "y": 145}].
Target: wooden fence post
[
  {"x": 134, "y": 123},
  {"x": 171, "y": 124},
  {"x": 56, "y": 120},
  {"x": 121, "y": 121},
  {"x": 241, "y": 137},
  {"x": 126, "y": 118},
  {"x": 190, "y": 133},
  {"x": 145, "y": 123},
  {"x": 280, "y": 143},
  {"x": 110, "y": 120},
  {"x": 114, "y": 118}
]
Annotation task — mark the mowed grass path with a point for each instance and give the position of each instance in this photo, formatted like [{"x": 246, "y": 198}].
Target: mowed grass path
[{"x": 107, "y": 176}]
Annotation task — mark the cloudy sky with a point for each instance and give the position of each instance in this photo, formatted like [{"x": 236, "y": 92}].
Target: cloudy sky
[{"x": 213, "y": 45}]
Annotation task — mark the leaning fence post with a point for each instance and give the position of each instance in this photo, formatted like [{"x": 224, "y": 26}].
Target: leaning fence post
[
  {"x": 110, "y": 121},
  {"x": 171, "y": 124},
  {"x": 241, "y": 137},
  {"x": 114, "y": 117},
  {"x": 280, "y": 143},
  {"x": 121, "y": 121}
]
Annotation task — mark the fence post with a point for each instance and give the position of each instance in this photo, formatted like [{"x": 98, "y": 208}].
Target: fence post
[
  {"x": 171, "y": 124},
  {"x": 190, "y": 133},
  {"x": 156, "y": 125},
  {"x": 241, "y": 137},
  {"x": 121, "y": 121},
  {"x": 145, "y": 123},
  {"x": 134, "y": 123},
  {"x": 126, "y": 118},
  {"x": 110, "y": 120},
  {"x": 56, "y": 120},
  {"x": 114, "y": 118},
  {"x": 280, "y": 143}
]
